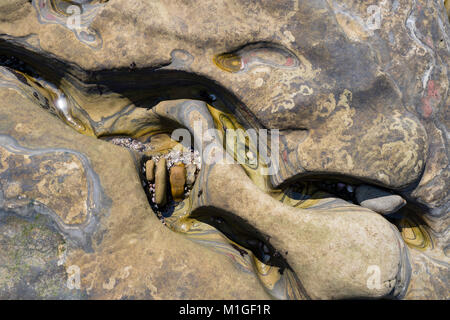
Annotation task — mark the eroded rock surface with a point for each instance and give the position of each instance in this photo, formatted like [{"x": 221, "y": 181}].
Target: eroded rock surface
[
  {"x": 132, "y": 255},
  {"x": 358, "y": 91}
]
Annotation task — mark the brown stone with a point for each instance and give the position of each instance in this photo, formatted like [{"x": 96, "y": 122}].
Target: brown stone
[
  {"x": 161, "y": 182},
  {"x": 177, "y": 181},
  {"x": 150, "y": 170}
]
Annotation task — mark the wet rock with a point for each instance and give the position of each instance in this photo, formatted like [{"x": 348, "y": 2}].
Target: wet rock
[
  {"x": 37, "y": 263},
  {"x": 150, "y": 170},
  {"x": 177, "y": 181},
  {"x": 190, "y": 174},
  {"x": 161, "y": 182},
  {"x": 378, "y": 200},
  {"x": 359, "y": 237},
  {"x": 377, "y": 100}
]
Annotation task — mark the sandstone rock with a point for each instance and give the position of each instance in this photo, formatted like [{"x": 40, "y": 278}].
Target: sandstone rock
[
  {"x": 41, "y": 256},
  {"x": 351, "y": 96},
  {"x": 358, "y": 236},
  {"x": 150, "y": 170},
  {"x": 293, "y": 61},
  {"x": 378, "y": 200},
  {"x": 161, "y": 182},
  {"x": 177, "y": 181}
]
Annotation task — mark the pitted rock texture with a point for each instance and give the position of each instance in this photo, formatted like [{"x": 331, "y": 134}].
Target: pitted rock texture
[
  {"x": 358, "y": 90},
  {"x": 55, "y": 180}
]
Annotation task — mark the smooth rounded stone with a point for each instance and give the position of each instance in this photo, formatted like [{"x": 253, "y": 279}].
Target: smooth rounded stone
[
  {"x": 190, "y": 174},
  {"x": 378, "y": 200},
  {"x": 161, "y": 182},
  {"x": 177, "y": 181},
  {"x": 150, "y": 170}
]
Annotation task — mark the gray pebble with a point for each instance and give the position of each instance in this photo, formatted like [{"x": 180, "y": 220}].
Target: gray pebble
[{"x": 378, "y": 200}]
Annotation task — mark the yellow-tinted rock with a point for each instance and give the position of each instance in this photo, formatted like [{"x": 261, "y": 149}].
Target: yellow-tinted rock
[
  {"x": 161, "y": 182},
  {"x": 177, "y": 181},
  {"x": 150, "y": 170}
]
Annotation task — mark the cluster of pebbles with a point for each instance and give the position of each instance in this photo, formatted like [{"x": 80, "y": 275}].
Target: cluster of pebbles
[{"x": 169, "y": 179}]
